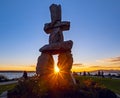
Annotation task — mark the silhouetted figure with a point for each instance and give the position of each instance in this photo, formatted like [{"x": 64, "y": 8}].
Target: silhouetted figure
[
  {"x": 80, "y": 73},
  {"x": 74, "y": 74},
  {"x": 102, "y": 74},
  {"x": 99, "y": 74},
  {"x": 89, "y": 74},
  {"x": 84, "y": 73},
  {"x": 25, "y": 75},
  {"x": 109, "y": 75}
]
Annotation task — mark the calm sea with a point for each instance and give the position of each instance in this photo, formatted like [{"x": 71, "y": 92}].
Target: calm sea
[{"x": 13, "y": 75}]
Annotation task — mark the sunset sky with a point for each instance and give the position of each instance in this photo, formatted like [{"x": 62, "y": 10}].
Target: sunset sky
[{"x": 95, "y": 31}]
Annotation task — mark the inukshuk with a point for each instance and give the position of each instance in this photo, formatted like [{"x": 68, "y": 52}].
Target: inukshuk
[{"x": 56, "y": 46}]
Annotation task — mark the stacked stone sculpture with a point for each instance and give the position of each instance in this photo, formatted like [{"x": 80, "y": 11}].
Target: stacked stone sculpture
[{"x": 56, "y": 46}]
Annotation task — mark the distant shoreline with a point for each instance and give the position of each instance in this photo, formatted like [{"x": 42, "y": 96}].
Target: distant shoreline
[
  {"x": 14, "y": 71},
  {"x": 94, "y": 71}
]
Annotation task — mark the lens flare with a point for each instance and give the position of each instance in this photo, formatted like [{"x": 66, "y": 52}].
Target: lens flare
[{"x": 56, "y": 69}]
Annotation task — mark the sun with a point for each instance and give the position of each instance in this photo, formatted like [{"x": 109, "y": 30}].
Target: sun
[{"x": 56, "y": 69}]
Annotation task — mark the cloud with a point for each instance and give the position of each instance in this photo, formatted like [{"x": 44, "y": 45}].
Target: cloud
[
  {"x": 106, "y": 67},
  {"x": 95, "y": 66},
  {"x": 111, "y": 60},
  {"x": 115, "y": 59},
  {"x": 78, "y": 65},
  {"x": 29, "y": 66},
  {"x": 32, "y": 66}
]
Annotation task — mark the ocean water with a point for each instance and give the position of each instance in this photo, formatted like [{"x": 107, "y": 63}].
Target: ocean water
[{"x": 14, "y": 75}]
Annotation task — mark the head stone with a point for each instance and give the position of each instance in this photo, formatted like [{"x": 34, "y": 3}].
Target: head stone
[{"x": 55, "y": 11}]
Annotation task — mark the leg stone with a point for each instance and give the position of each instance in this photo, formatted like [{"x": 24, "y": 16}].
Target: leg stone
[
  {"x": 65, "y": 61},
  {"x": 45, "y": 64}
]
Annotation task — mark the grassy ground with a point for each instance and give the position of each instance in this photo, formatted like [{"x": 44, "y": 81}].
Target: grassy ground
[
  {"x": 6, "y": 87},
  {"x": 112, "y": 84}
]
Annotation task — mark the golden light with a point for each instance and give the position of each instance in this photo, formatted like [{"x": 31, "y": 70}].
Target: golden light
[{"x": 56, "y": 69}]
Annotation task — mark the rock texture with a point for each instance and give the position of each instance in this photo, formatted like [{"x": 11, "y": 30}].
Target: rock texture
[
  {"x": 45, "y": 64},
  {"x": 55, "y": 11},
  {"x": 57, "y": 48},
  {"x": 65, "y": 61},
  {"x": 48, "y": 27}
]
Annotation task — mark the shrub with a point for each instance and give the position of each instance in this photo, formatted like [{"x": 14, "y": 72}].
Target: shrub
[
  {"x": 32, "y": 87},
  {"x": 3, "y": 78},
  {"x": 36, "y": 88}
]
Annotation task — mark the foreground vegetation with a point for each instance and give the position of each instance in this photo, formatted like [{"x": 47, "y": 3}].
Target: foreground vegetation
[
  {"x": 3, "y": 78},
  {"x": 87, "y": 87},
  {"x": 112, "y": 84},
  {"x": 7, "y": 87}
]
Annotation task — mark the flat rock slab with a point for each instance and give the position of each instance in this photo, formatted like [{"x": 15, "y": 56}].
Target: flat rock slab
[
  {"x": 65, "y": 25},
  {"x": 57, "y": 48}
]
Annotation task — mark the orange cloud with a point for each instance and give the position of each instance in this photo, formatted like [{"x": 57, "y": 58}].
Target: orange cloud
[
  {"x": 111, "y": 60},
  {"x": 93, "y": 68},
  {"x": 115, "y": 59},
  {"x": 106, "y": 67},
  {"x": 78, "y": 65}
]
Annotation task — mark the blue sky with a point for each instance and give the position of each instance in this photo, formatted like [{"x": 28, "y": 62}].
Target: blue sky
[{"x": 95, "y": 30}]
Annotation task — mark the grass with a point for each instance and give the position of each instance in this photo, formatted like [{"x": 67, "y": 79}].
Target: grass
[
  {"x": 6, "y": 87},
  {"x": 112, "y": 84}
]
